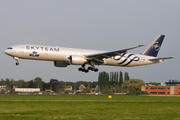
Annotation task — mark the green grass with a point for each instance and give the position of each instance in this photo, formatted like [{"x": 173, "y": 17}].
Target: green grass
[{"x": 67, "y": 107}]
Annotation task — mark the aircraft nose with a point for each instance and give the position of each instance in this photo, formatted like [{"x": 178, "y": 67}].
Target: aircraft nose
[{"x": 7, "y": 52}]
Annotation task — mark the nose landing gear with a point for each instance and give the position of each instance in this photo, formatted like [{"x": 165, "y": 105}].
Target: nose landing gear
[{"x": 16, "y": 58}]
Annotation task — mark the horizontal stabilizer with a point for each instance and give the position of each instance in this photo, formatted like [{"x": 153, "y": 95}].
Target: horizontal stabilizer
[{"x": 157, "y": 59}]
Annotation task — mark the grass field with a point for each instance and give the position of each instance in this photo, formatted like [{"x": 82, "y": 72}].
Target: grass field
[{"x": 67, "y": 107}]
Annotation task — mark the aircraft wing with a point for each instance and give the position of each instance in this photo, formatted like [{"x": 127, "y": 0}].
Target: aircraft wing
[
  {"x": 100, "y": 56},
  {"x": 157, "y": 59}
]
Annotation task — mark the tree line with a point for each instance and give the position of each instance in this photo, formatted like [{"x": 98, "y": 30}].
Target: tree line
[
  {"x": 113, "y": 82},
  {"x": 112, "y": 79},
  {"x": 53, "y": 84}
]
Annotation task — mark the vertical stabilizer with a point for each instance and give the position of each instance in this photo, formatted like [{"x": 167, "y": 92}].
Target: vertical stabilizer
[{"x": 154, "y": 48}]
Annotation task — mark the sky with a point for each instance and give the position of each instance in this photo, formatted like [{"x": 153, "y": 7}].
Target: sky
[{"x": 89, "y": 24}]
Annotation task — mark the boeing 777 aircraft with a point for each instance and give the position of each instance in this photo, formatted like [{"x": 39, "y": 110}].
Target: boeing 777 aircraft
[{"x": 62, "y": 57}]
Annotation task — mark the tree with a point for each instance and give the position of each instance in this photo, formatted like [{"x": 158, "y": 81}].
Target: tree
[
  {"x": 38, "y": 82},
  {"x": 25, "y": 84},
  {"x": 177, "y": 80},
  {"x": 8, "y": 82},
  {"x": 55, "y": 83},
  {"x": 88, "y": 89},
  {"x": 61, "y": 85},
  {"x": 120, "y": 78},
  {"x": 110, "y": 79},
  {"x": 103, "y": 80},
  {"x": 155, "y": 83},
  {"x": 13, "y": 82},
  {"x": 133, "y": 85},
  {"x": 116, "y": 80},
  {"x": 31, "y": 84},
  {"x": 126, "y": 76},
  {"x": 113, "y": 78},
  {"x": 2, "y": 82},
  {"x": 20, "y": 83},
  {"x": 94, "y": 84}
]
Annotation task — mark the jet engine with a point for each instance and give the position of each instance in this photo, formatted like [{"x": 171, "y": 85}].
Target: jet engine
[
  {"x": 61, "y": 63},
  {"x": 77, "y": 60}
]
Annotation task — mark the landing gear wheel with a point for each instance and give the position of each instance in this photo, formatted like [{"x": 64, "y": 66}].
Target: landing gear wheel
[
  {"x": 83, "y": 69},
  {"x": 83, "y": 65},
  {"x": 91, "y": 68},
  {"x": 80, "y": 69},
  {"x": 17, "y": 63},
  {"x": 86, "y": 71},
  {"x": 96, "y": 70}
]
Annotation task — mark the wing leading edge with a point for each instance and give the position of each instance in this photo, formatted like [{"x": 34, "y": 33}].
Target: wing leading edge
[{"x": 100, "y": 56}]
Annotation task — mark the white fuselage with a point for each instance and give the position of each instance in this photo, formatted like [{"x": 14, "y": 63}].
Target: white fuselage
[{"x": 49, "y": 53}]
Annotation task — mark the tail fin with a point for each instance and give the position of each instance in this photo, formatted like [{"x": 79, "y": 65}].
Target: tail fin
[{"x": 154, "y": 48}]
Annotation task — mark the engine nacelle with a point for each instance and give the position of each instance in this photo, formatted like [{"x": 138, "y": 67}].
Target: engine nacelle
[
  {"x": 61, "y": 63},
  {"x": 77, "y": 60}
]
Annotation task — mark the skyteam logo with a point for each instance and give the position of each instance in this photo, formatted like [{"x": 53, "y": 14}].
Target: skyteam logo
[
  {"x": 34, "y": 54},
  {"x": 125, "y": 59},
  {"x": 156, "y": 46}
]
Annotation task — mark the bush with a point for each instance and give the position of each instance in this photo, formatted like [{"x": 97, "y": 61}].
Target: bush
[
  {"x": 138, "y": 93},
  {"x": 109, "y": 92}
]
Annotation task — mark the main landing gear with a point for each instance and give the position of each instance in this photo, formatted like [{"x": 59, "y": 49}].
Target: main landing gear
[
  {"x": 83, "y": 69},
  {"x": 16, "y": 58}
]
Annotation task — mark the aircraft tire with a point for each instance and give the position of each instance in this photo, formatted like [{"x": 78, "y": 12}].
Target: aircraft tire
[
  {"x": 89, "y": 68},
  {"x": 86, "y": 71},
  {"x": 80, "y": 69},
  {"x": 95, "y": 70}
]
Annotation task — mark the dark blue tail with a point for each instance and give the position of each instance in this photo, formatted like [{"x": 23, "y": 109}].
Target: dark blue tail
[{"x": 154, "y": 48}]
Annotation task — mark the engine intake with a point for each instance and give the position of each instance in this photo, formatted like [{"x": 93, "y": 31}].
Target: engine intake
[{"x": 77, "y": 60}]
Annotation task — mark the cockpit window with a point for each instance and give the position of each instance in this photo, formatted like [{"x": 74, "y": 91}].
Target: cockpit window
[{"x": 9, "y": 48}]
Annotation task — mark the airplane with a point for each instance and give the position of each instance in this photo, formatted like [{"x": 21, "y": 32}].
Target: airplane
[{"x": 62, "y": 57}]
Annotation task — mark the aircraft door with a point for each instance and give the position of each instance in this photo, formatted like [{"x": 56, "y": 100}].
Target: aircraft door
[
  {"x": 21, "y": 50},
  {"x": 46, "y": 51}
]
